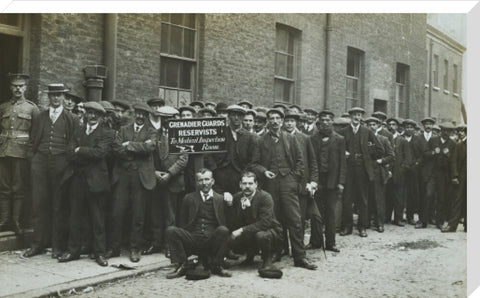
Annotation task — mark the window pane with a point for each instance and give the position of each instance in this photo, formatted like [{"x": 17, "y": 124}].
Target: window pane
[
  {"x": 190, "y": 20},
  {"x": 352, "y": 87},
  {"x": 184, "y": 98},
  {"x": 352, "y": 69},
  {"x": 185, "y": 75},
  {"x": 290, "y": 67},
  {"x": 282, "y": 40},
  {"x": 288, "y": 92},
  {"x": 281, "y": 65},
  {"x": 176, "y": 41},
  {"x": 400, "y": 74},
  {"x": 290, "y": 43},
  {"x": 11, "y": 19},
  {"x": 189, "y": 43},
  {"x": 172, "y": 69},
  {"x": 176, "y": 18},
  {"x": 278, "y": 90},
  {"x": 171, "y": 97},
  {"x": 164, "y": 41}
]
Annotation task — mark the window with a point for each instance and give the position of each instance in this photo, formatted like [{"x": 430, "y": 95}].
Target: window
[
  {"x": 177, "y": 58},
  {"x": 354, "y": 83},
  {"x": 445, "y": 75},
  {"x": 380, "y": 105},
  {"x": 401, "y": 89},
  {"x": 286, "y": 56},
  {"x": 455, "y": 79},
  {"x": 435, "y": 70},
  {"x": 11, "y": 19}
]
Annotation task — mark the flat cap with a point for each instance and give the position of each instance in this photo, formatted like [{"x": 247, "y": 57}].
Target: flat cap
[
  {"x": 221, "y": 106},
  {"x": 251, "y": 112},
  {"x": 107, "y": 105},
  {"x": 393, "y": 119},
  {"x": 326, "y": 112},
  {"x": 380, "y": 115},
  {"x": 409, "y": 122},
  {"x": 292, "y": 114},
  {"x": 341, "y": 121},
  {"x": 93, "y": 105},
  {"x": 280, "y": 105},
  {"x": 261, "y": 115},
  {"x": 303, "y": 116},
  {"x": 208, "y": 110},
  {"x": 122, "y": 103},
  {"x": 428, "y": 119},
  {"x": 167, "y": 111},
  {"x": 236, "y": 108},
  {"x": 296, "y": 106},
  {"x": 356, "y": 110},
  {"x": 447, "y": 125},
  {"x": 197, "y": 103},
  {"x": 345, "y": 115},
  {"x": 211, "y": 103},
  {"x": 156, "y": 100},
  {"x": 17, "y": 76},
  {"x": 246, "y": 102},
  {"x": 56, "y": 88},
  {"x": 310, "y": 110},
  {"x": 186, "y": 108},
  {"x": 276, "y": 110},
  {"x": 141, "y": 106},
  {"x": 261, "y": 109},
  {"x": 372, "y": 119}
]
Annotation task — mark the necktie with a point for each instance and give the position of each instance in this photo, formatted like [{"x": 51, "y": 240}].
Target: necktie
[{"x": 245, "y": 203}]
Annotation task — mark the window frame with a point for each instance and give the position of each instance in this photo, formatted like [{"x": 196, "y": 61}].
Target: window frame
[
  {"x": 401, "y": 102},
  {"x": 445, "y": 75},
  {"x": 359, "y": 58}
]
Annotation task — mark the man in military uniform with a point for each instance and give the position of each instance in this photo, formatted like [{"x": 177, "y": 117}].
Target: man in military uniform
[{"x": 16, "y": 121}]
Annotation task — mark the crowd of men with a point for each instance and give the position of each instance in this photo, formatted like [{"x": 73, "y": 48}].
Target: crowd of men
[{"x": 101, "y": 178}]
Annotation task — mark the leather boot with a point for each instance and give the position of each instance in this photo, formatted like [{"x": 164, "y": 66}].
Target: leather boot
[
  {"x": 17, "y": 210},
  {"x": 4, "y": 213}
]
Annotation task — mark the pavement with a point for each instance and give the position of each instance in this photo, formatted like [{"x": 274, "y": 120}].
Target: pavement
[{"x": 41, "y": 275}]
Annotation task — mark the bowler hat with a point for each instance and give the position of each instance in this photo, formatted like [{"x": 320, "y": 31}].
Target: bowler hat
[
  {"x": 221, "y": 107},
  {"x": 356, "y": 110},
  {"x": 93, "y": 105},
  {"x": 56, "y": 88},
  {"x": 141, "y": 106}
]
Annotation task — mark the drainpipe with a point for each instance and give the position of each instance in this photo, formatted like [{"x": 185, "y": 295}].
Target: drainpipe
[
  {"x": 110, "y": 55},
  {"x": 326, "y": 88},
  {"x": 430, "y": 58}
]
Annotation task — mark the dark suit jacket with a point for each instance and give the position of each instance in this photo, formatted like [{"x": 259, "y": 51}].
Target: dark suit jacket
[
  {"x": 90, "y": 157},
  {"x": 369, "y": 146},
  {"x": 413, "y": 155},
  {"x": 337, "y": 166},
  {"x": 398, "y": 167},
  {"x": 38, "y": 124},
  {"x": 460, "y": 160},
  {"x": 173, "y": 163},
  {"x": 246, "y": 150},
  {"x": 387, "y": 159},
  {"x": 190, "y": 206},
  {"x": 309, "y": 161},
  {"x": 427, "y": 163},
  {"x": 386, "y": 133},
  {"x": 137, "y": 154},
  {"x": 446, "y": 159},
  {"x": 311, "y": 132},
  {"x": 261, "y": 210},
  {"x": 292, "y": 150}
]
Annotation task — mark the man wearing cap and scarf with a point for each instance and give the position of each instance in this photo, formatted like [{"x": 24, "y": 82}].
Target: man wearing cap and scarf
[
  {"x": 282, "y": 165},
  {"x": 310, "y": 127},
  {"x": 361, "y": 148},
  {"x": 123, "y": 111},
  {"x": 241, "y": 153},
  {"x": 168, "y": 194},
  {"x": 260, "y": 124},
  {"x": 89, "y": 183},
  {"x": 248, "y": 121},
  {"x": 381, "y": 130},
  {"x": 133, "y": 176},
  {"x": 329, "y": 148},
  {"x": 15, "y": 149},
  {"x": 52, "y": 133}
]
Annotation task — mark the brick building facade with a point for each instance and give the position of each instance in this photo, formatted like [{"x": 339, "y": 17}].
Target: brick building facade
[{"x": 334, "y": 61}]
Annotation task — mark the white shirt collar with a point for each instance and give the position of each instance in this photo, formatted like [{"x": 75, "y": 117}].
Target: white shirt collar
[
  {"x": 310, "y": 126},
  {"x": 427, "y": 135},
  {"x": 209, "y": 195},
  {"x": 135, "y": 126},
  {"x": 156, "y": 124},
  {"x": 408, "y": 138},
  {"x": 57, "y": 111},
  {"x": 395, "y": 135},
  {"x": 443, "y": 140},
  {"x": 91, "y": 128}
]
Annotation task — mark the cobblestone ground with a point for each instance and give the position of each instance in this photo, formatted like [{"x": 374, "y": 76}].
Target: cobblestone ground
[{"x": 401, "y": 262}]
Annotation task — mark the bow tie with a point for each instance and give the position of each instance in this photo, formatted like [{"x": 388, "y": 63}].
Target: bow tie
[{"x": 245, "y": 202}]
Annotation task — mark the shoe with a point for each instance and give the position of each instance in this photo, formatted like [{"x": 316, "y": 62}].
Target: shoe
[
  {"x": 33, "y": 251},
  {"x": 448, "y": 229},
  {"x": 380, "y": 229},
  {"x": 363, "y": 233},
  {"x": 150, "y": 250},
  {"x": 398, "y": 223},
  {"x": 67, "y": 257},
  {"x": 134, "y": 255},
  {"x": 56, "y": 254},
  {"x": 179, "y": 271},
  {"x": 332, "y": 248},
  {"x": 303, "y": 263},
  {"x": 101, "y": 261},
  {"x": 112, "y": 253},
  {"x": 218, "y": 270},
  {"x": 420, "y": 225},
  {"x": 231, "y": 256},
  {"x": 346, "y": 231}
]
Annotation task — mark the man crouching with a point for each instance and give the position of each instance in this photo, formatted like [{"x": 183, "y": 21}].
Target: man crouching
[
  {"x": 201, "y": 230},
  {"x": 254, "y": 225}
]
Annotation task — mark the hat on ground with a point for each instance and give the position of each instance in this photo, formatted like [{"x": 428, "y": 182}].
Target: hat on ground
[
  {"x": 12, "y": 77},
  {"x": 292, "y": 114},
  {"x": 156, "y": 100},
  {"x": 409, "y": 122},
  {"x": 236, "y": 108},
  {"x": 251, "y": 112},
  {"x": 246, "y": 102},
  {"x": 372, "y": 119},
  {"x": 122, "y": 103},
  {"x": 56, "y": 88},
  {"x": 107, "y": 105},
  {"x": 208, "y": 110},
  {"x": 280, "y": 105},
  {"x": 221, "y": 107},
  {"x": 141, "y": 106},
  {"x": 270, "y": 272},
  {"x": 311, "y": 111},
  {"x": 356, "y": 110},
  {"x": 393, "y": 119},
  {"x": 428, "y": 119},
  {"x": 341, "y": 121},
  {"x": 74, "y": 97},
  {"x": 197, "y": 103},
  {"x": 326, "y": 112},
  {"x": 380, "y": 115},
  {"x": 296, "y": 106},
  {"x": 93, "y": 105},
  {"x": 167, "y": 111},
  {"x": 276, "y": 110},
  {"x": 197, "y": 274},
  {"x": 186, "y": 108}
]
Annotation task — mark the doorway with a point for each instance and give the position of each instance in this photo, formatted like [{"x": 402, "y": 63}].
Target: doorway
[{"x": 10, "y": 59}]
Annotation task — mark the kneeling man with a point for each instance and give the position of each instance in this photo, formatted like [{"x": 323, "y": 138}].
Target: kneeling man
[
  {"x": 254, "y": 223},
  {"x": 202, "y": 229}
]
